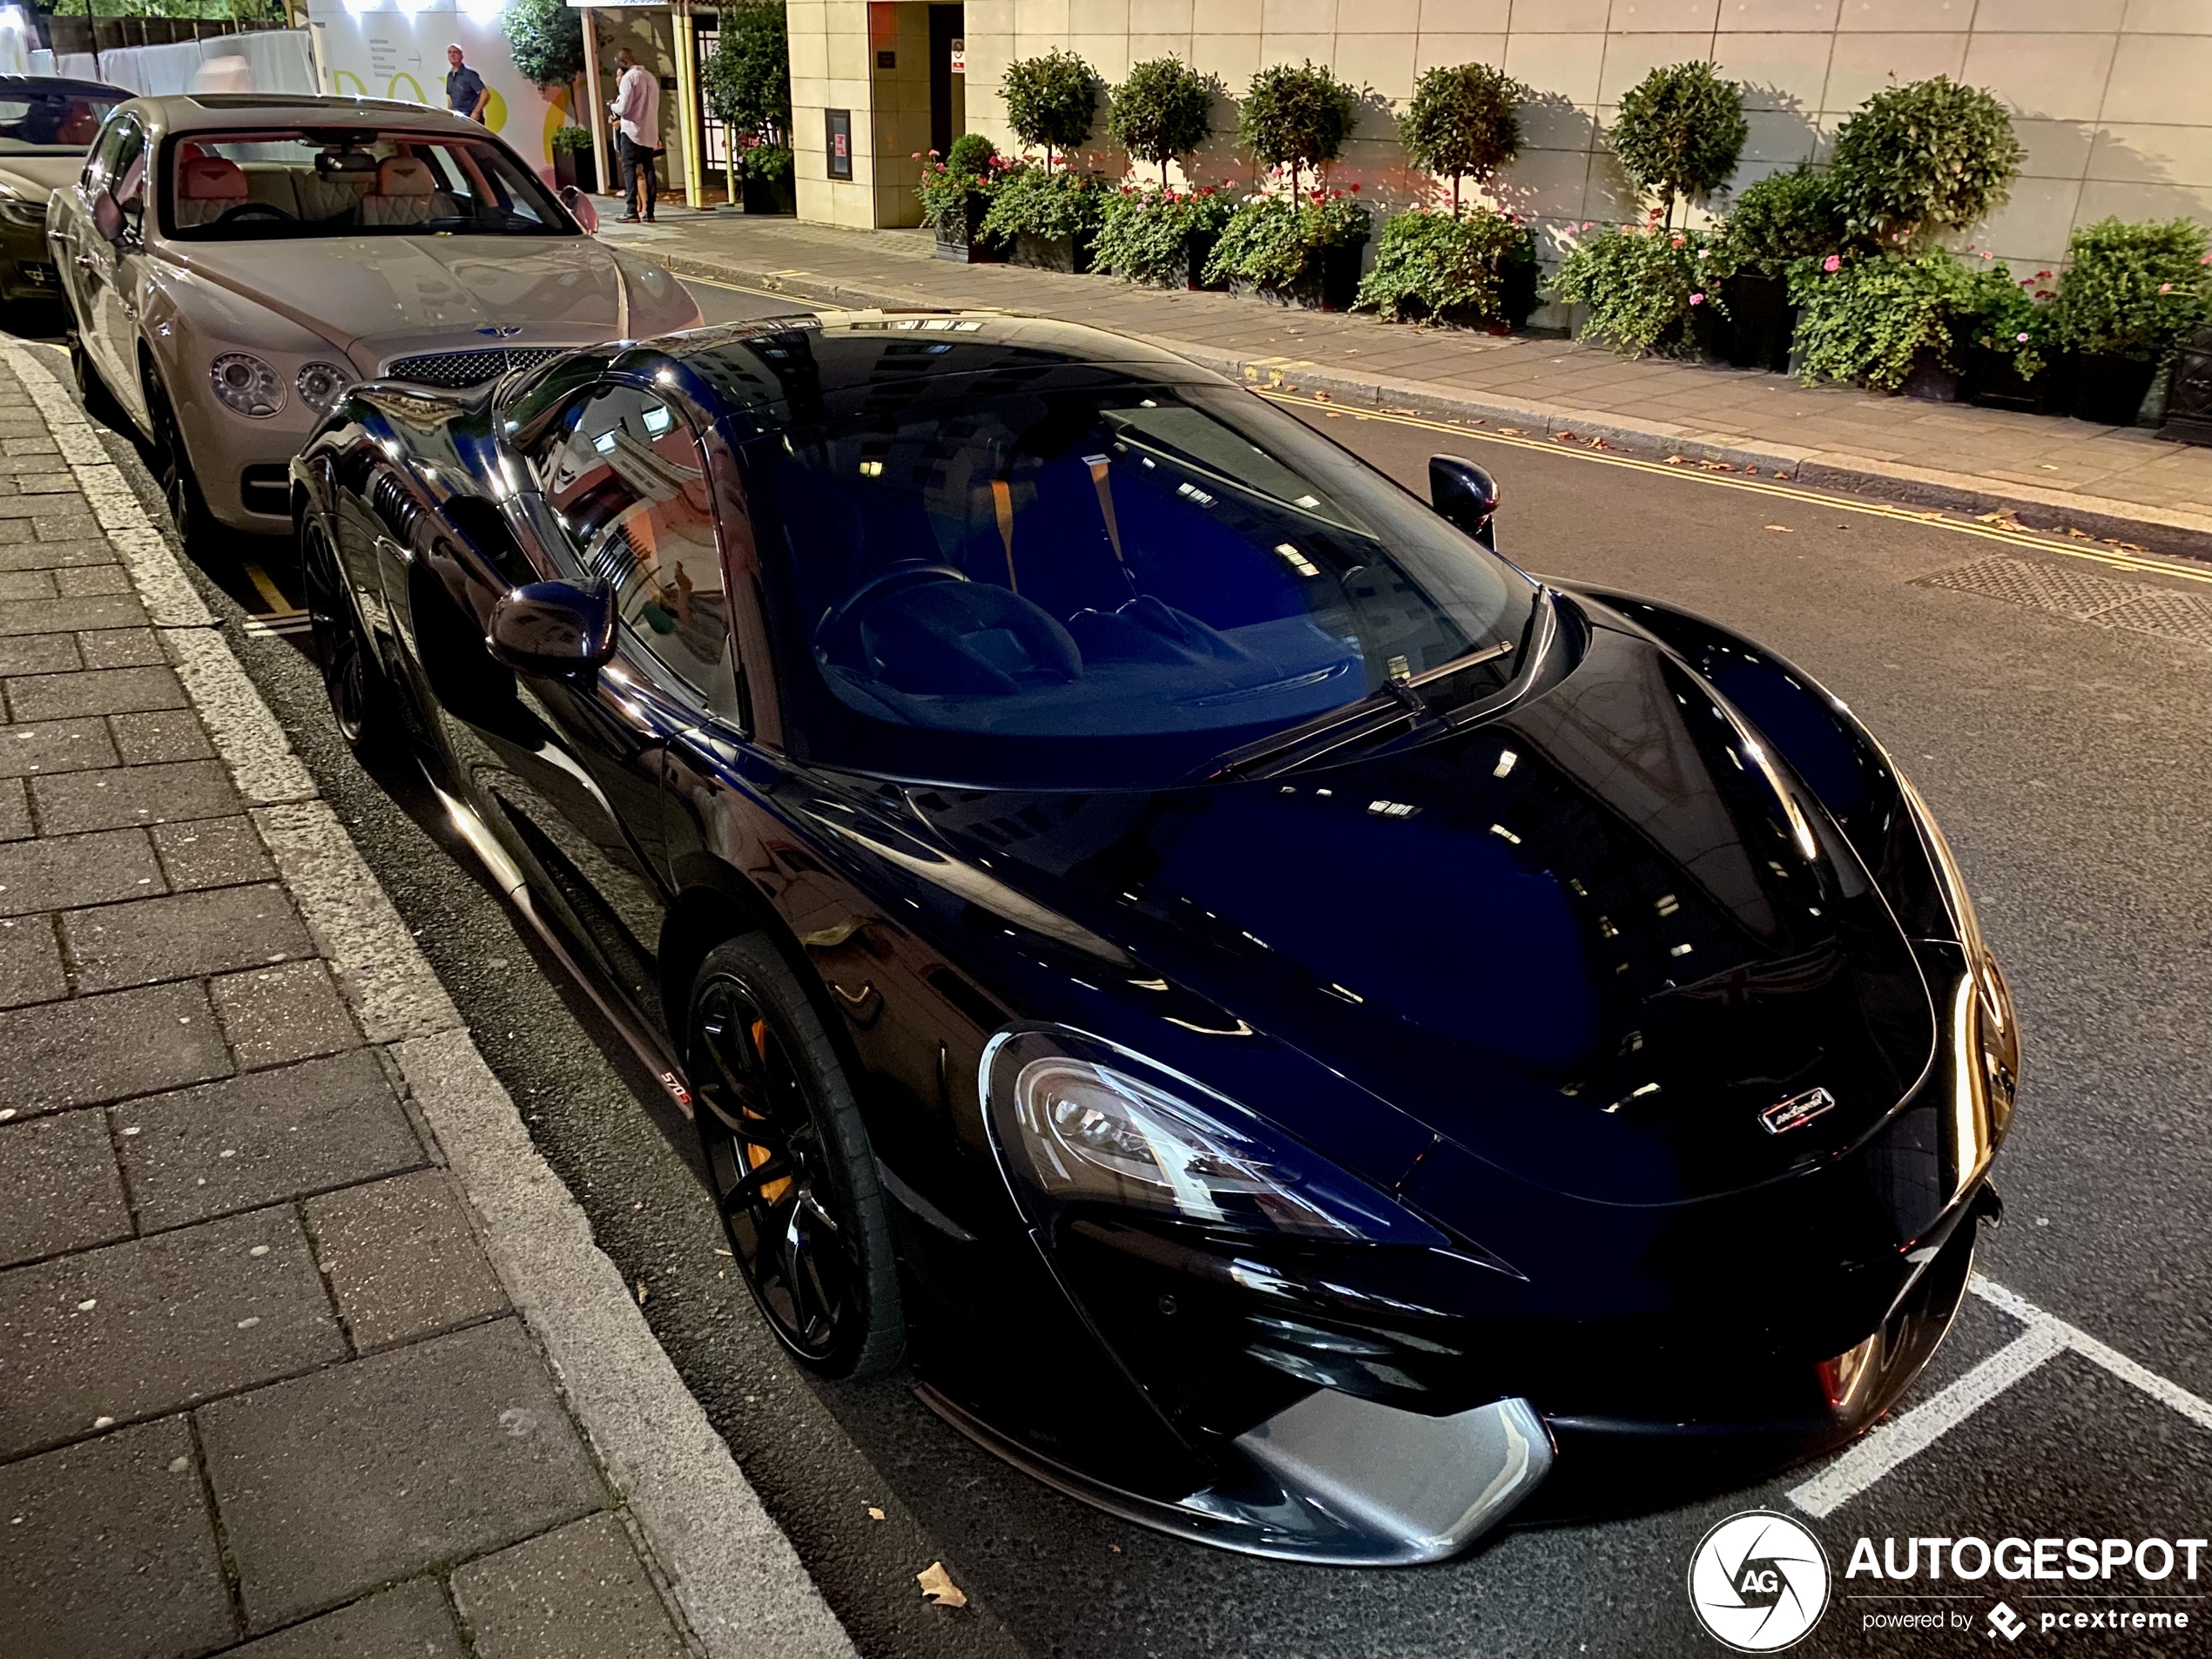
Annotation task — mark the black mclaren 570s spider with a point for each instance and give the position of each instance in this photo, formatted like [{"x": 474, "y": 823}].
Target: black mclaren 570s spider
[{"x": 1304, "y": 1034}]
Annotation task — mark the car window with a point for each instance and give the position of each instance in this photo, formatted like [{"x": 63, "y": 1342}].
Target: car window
[
  {"x": 120, "y": 141},
  {"x": 628, "y": 479},
  {"x": 290, "y": 184},
  {"x": 987, "y": 584},
  {"x": 32, "y": 118}
]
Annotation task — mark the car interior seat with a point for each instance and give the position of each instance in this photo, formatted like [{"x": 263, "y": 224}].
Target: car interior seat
[
  {"x": 406, "y": 193},
  {"x": 208, "y": 187}
]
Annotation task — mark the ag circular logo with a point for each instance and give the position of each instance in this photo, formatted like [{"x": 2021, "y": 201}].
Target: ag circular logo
[{"x": 1758, "y": 1582}]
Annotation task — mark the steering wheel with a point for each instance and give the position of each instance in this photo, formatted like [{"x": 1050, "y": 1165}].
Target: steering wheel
[
  {"x": 841, "y": 614},
  {"x": 250, "y": 210}
]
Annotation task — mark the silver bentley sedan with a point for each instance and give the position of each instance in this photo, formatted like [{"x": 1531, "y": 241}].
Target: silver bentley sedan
[{"x": 233, "y": 262}]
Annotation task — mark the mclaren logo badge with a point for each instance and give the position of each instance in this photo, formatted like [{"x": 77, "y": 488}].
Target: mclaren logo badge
[{"x": 1796, "y": 1111}]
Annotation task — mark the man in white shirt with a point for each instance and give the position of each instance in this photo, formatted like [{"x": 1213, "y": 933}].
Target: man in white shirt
[{"x": 637, "y": 110}]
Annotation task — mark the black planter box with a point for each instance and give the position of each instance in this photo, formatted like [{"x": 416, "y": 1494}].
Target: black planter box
[
  {"x": 578, "y": 167},
  {"x": 1195, "y": 252},
  {"x": 2188, "y": 400},
  {"x": 769, "y": 196},
  {"x": 1988, "y": 378},
  {"x": 1067, "y": 254},
  {"x": 1756, "y": 329},
  {"x": 1334, "y": 288},
  {"x": 962, "y": 243},
  {"x": 2110, "y": 390},
  {"x": 1929, "y": 380}
]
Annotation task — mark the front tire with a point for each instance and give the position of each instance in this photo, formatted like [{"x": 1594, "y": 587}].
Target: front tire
[
  {"x": 361, "y": 700},
  {"x": 789, "y": 1164},
  {"x": 172, "y": 470},
  {"x": 91, "y": 390}
]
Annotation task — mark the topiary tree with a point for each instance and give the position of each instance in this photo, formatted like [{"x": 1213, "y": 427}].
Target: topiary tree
[
  {"x": 1161, "y": 111},
  {"x": 1462, "y": 120},
  {"x": 1927, "y": 156},
  {"x": 547, "y": 39},
  {"x": 747, "y": 81},
  {"x": 1299, "y": 116},
  {"x": 971, "y": 156},
  {"x": 1679, "y": 132},
  {"x": 1050, "y": 100}
]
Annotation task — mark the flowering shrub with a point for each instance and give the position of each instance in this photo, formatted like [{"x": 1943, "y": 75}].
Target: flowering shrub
[
  {"x": 1148, "y": 230},
  {"x": 1782, "y": 218},
  {"x": 2002, "y": 316},
  {"x": 1026, "y": 201},
  {"x": 1644, "y": 285},
  {"x": 1868, "y": 319},
  {"x": 948, "y": 186},
  {"x": 2132, "y": 290},
  {"x": 1479, "y": 267},
  {"x": 1280, "y": 241}
]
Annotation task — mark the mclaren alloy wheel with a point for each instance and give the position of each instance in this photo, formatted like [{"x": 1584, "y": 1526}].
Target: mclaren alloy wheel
[
  {"x": 789, "y": 1165},
  {"x": 360, "y": 696}
]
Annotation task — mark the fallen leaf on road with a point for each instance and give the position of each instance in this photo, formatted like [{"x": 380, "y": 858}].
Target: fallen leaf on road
[
  {"x": 1784, "y": 529},
  {"x": 1320, "y": 397},
  {"x": 2126, "y": 547},
  {"x": 1674, "y": 461},
  {"x": 1563, "y": 437},
  {"x": 937, "y": 1585},
  {"x": 875, "y": 1513},
  {"x": 1512, "y": 431},
  {"x": 642, "y": 1292},
  {"x": 725, "y": 1252}
]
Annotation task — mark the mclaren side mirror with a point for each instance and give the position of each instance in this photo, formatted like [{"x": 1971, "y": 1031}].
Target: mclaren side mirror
[
  {"x": 579, "y": 204},
  {"x": 1466, "y": 494},
  {"x": 552, "y": 628}
]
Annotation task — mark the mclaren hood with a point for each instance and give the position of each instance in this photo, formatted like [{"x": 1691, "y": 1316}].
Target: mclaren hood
[{"x": 1608, "y": 941}]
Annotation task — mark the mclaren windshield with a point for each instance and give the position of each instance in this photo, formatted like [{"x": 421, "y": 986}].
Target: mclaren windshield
[
  {"x": 288, "y": 186},
  {"x": 55, "y": 117},
  {"x": 1101, "y": 581}
]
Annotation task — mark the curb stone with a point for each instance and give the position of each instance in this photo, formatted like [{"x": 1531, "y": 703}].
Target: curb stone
[
  {"x": 733, "y": 1577},
  {"x": 2158, "y": 530}
]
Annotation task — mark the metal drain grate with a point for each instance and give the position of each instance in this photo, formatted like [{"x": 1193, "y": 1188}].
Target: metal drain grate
[{"x": 2131, "y": 606}]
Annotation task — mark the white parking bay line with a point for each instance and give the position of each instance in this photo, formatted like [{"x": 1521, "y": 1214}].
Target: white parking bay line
[
  {"x": 2047, "y": 1335},
  {"x": 1920, "y": 1428}
]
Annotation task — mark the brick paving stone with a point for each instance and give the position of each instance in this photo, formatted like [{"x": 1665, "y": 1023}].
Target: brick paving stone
[
  {"x": 120, "y": 647},
  {"x": 400, "y": 1258},
  {"x": 211, "y": 853},
  {"x": 410, "y": 1622},
  {"x": 580, "y": 1592},
  {"x": 186, "y": 936},
  {"x": 166, "y": 734},
  {"x": 332, "y": 1483},
  {"x": 38, "y": 654},
  {"x": 113, "y": 1557},
  {"x": 31, "y": 962},
  {"x": 151, "y": 794},
  {"x": 70, "y": 616},
  {"x": 62, "y": 872},
  {"x": 14, "y": 811},
  {"x": 59, "y": 1188},
  {"x": 27, "y": 584},
  {"x": 97, "y": 1048},
  {"x": 56, "y": 745},
  {"x": 106, "y": 691},
  {"x": 261, "y": 1137},
  {"x": 87, "y": 579},
  {"x": 24, "y": 554},
  {"x": 148, "y": 1326},
  {"x": 275, "y": 1014}
]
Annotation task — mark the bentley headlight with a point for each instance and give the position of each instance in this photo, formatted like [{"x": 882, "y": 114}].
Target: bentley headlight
[
  {"x": 247, "y": 385},
  {"x": 322, "y": 384},
  {"x": 1077, "y": 1120},
  {"x": 23, "y": 214}
]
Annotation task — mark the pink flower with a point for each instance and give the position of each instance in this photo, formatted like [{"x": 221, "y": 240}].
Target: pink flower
[
  {"x": 1986, "y": 255},
  {"x": 1697, "y": 299},
  {"x": 2207, "y": 260},
  {"x": 2021, "y": 338},
  {"x": 1833, "y": 262},
  {"x": 2042, "y": 276},
  {"x": 1590, "y": 224},
  {"x": 2165, "y": 288}
]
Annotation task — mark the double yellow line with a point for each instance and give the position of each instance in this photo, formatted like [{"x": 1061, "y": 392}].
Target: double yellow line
[{"x": 2183, "y": 571}]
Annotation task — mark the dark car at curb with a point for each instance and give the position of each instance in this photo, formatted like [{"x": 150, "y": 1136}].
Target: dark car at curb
[{"x": 1306, "y": 1036}]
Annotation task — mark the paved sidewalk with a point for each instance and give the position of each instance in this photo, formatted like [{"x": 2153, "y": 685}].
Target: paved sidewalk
[
  {"x": 261, "y": 1383},
  {"x": 2054, "y": 474}
]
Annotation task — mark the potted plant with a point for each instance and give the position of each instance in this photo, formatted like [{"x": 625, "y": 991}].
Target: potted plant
[
  {"x": 1050, "y": 101},
  {"x": 1678, "y": 132},
  {"x": 1883, "y": 320},
  {"x": 1474, "y": 268},
  {"x": 747, "y": 85},
  {"x": 2003, "y": 344},
  {"x": 955, "y": 196},
  {"x": 1462, "y": 121},
  {"x": 1296, "y": 118},
  {"x": 545, "y": 38},
  {"x": 573, "y": 162},
  {"x": 1162, "y": 112},
  {"x": 1648, "y": 289},
  {"x": 1050, "y": 219},
  {"x": 767, "y": 185},
  {"x": 1161, "y": 236},
  {"x": 1781, "y": 219},
  {"x": 2128, "y": 295},
  {"x": 1294, "y": 250}
]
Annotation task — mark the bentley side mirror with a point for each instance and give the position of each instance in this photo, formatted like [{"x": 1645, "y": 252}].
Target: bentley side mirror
[
  {"x": 1464, "y": 493},
  {"x": 579, "y": 204},
  {"x": 108, "y": 217},
  {"x": 552, "y": 628}
]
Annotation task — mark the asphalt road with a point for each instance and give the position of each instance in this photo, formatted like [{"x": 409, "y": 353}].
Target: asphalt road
[{"x": 2071, "y": 766}]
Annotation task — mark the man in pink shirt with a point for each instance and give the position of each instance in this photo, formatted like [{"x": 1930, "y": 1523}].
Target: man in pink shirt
[{"x": 637, "y": 110}]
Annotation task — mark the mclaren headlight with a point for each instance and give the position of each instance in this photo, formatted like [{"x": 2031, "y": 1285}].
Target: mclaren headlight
[
  {"x": 23, "y": 214},
  {"x": 1998, "y": 1027},
  {"x": 1078, "y": 1121},
  {"x": 320, "y": 386},
  {"x": 245, "y": 385}
]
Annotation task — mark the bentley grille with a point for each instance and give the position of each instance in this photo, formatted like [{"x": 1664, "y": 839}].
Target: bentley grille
[{"x": 455, "y": 369}]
